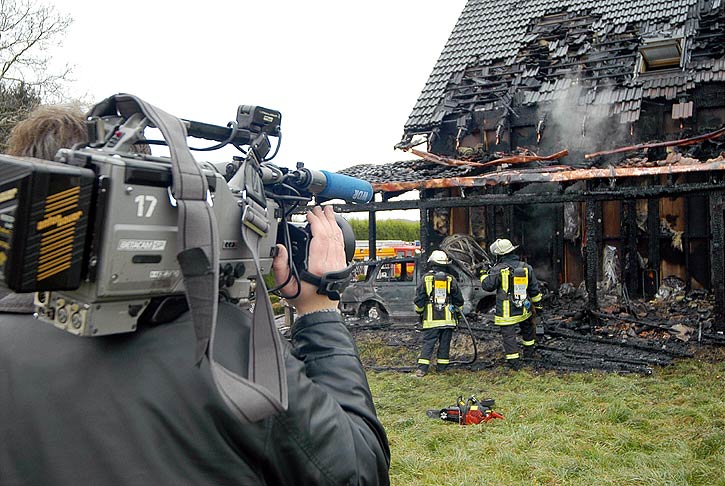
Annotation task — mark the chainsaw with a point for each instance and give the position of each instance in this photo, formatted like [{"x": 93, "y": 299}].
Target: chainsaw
[{"x": 468, "y": 412}]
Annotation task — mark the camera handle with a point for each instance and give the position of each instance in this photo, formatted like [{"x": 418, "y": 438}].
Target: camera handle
[{"x": 265, "y": 392}]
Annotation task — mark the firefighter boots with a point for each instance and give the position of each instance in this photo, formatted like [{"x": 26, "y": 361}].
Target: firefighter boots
[
  {"x": 530, "y": 352},
  {"x": 514, "y": 364}
]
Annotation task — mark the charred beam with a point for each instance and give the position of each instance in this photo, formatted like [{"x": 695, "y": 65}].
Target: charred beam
[
  {"x": 631, "y": 263},
  {"x": 622, "y": 193},
  {"x": 653, "y": 230},
  {"x": 552, "y": 174},
  {"x": 592, "y": 231},
  {"x": 424, "y": 230},
  {"x": 686, "y": 141},
  {"x": 717, "y": 258},
  {"x": 372, "y": 234},
  {"x": 558, "y": 248},
  {"x": 514, "y": 159}
]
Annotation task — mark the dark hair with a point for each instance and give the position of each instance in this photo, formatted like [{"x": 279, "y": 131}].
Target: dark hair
[{"x": 47, "y": 129}]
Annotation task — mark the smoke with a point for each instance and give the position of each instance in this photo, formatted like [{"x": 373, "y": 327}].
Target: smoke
[{"x": 581, "y": 120}]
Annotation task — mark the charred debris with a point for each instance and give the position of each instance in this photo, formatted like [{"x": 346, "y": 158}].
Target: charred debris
[
  {"x": 623, "y": 335},
  {"x": 593, "y": 135}
]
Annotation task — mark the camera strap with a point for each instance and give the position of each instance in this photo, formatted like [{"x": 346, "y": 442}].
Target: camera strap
[{"x": 265, "y": 391}]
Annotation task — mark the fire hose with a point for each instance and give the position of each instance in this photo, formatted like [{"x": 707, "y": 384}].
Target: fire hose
[{"x": 460, "y": 315}]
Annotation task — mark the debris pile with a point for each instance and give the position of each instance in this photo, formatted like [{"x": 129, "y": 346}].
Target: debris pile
[{"x": 623, "y": 336}]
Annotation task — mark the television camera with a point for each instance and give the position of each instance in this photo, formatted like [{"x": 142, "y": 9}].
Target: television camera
[{"x": 95, "y": 233}]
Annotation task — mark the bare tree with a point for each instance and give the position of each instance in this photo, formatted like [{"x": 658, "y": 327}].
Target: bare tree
[{"x": 27, "y": 31}]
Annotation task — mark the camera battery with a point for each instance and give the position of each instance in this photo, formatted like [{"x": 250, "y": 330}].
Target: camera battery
[{"x": 44, "y": 216}]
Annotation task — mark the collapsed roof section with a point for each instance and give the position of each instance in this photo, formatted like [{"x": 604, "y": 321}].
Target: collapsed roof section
[{"x": 609, "y": 57}]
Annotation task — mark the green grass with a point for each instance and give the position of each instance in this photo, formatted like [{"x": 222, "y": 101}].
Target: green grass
[{"x": 560, "y": 429}]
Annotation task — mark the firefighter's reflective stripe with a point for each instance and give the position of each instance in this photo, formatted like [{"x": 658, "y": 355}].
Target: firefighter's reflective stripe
[
  {"x": 423, "y": 361},
  {"x": 447, "y": 319},
  {"x": 505, "y": 279},
  {"x": 529, "y": 343},
  {"x": 512, "y": 356},
  {"x": 536, "y": 298},
  {"x": 419, "y": 310},
  {"x": 443, "y": 361},
  {"x": 507, "y": 321}
]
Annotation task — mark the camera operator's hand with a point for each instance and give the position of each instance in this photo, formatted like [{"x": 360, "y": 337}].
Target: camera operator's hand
[{"x": 326, "y": 254}]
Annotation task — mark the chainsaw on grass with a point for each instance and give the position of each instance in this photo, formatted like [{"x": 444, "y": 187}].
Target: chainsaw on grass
[{"x": 468, "y": 412}]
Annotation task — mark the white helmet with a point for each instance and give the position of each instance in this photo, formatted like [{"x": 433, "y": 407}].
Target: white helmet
[
  {"x": 502, "y": 247},
  {"x": 440, "y": 257}
]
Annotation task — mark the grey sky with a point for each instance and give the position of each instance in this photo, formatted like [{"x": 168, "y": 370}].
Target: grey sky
[{"x": 345, "y": 75}]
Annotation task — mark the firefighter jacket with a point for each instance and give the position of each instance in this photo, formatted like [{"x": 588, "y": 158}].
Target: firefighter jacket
[
  {"x": 432, "y": 304},
  {"x": 512, "y": 292}
]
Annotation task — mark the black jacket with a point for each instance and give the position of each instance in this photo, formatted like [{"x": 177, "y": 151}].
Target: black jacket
[
  {"x": 430, "y": 317},
  {"x": 133, "y": 409},
  {"x": 497, "y": 280}
]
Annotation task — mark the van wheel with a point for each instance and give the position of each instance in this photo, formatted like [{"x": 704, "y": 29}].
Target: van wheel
[{"x": 372, "y": 310}]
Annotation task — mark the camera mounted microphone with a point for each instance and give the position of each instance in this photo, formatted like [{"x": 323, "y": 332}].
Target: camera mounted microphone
[
  {"x": 324, "y": 185},
  {"x": 329, "y": 185}
]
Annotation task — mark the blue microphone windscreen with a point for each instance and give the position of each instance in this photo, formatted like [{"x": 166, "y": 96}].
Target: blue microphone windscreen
[{"x": 348, "y": 188}]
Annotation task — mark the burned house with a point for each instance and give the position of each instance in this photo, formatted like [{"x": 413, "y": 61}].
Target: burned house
[{"x": 590, "y": 133}]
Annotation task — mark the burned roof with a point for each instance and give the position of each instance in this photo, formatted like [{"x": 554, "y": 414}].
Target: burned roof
[
  {"x": 705, "y": 153},
  {"x": 507, "y": 52}
]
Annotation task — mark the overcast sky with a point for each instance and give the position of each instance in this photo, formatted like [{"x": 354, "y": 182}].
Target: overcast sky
[{"x": 345, "y": 75}]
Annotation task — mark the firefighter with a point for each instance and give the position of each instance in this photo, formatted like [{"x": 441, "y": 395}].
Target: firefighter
[
  {"x": 438, "y": 300},
  {"x": 518, "y": 297}
]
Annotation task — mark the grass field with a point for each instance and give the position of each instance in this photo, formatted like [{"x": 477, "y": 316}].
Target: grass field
[{"x": 559, "y": 429}]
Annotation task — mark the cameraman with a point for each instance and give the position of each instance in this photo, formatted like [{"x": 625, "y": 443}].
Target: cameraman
[{"x": 133, "y": 408}]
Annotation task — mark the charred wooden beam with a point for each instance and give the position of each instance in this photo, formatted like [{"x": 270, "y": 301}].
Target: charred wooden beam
[
  {"x": 631, "y": 262},
  {"x": 372, "y": 234},
  {"x": 621, "y": 193},
  {"x": 686, "y": 246},
  {"x": 424, "y": 230},
  {"x": 514, "y": 159},
  {"x": 550, "y": 174},
  {"x": 592, "y": 231},
  {"x": 490, "y": 224},
  {"x": 717, "y": 258},
  {"x": 557, "y": 259},
  {"x": 653, "y": 230},
  {"x": 686, "y": 141}
]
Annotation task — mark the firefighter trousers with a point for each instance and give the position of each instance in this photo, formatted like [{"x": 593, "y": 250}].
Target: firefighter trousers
[
  {"x": 528, "y": 336},
  {"x": 442, "y": 336}
]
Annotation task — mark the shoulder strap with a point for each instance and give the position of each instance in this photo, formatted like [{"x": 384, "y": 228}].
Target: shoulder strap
[{"x": 265, "y": 391}]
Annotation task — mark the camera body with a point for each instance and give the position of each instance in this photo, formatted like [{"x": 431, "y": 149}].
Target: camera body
[
  {"x": 95, "y": 233},
  {"x": 124, "y": 241}
]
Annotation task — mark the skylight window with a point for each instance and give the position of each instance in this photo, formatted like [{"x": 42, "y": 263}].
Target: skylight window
[{"x": 657, "y": 55}]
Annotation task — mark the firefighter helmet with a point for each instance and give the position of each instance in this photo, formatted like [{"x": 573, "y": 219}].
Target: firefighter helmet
[
  {"x": 440, "y": 257},
  {"x": 502, "y": 247}
]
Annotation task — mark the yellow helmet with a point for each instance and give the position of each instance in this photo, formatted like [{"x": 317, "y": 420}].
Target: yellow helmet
[
  {"x": 440, "y": 257},
  {"x": 502, "y": 246}
]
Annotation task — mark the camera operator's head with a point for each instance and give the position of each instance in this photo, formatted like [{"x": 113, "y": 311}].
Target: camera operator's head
[{"x": 47, "y": 129}]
